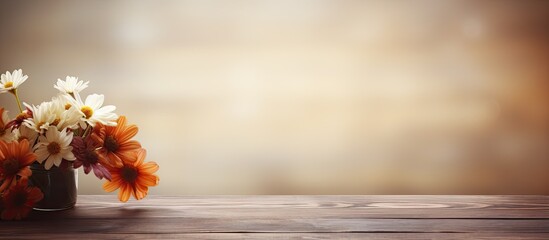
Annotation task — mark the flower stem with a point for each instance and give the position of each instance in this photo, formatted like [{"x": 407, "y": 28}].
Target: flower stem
[
  {"x": 87, "y": 130},
  {"x": 17, "y": 99}
]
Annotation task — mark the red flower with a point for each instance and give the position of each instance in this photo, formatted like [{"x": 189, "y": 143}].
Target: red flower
[
  {"x": 86, "y": 155},
  {"x": 19, "y": 199},
  {"x": 15, "y": 157}
]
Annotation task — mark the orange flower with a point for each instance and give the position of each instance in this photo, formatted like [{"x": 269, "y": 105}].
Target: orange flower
[
  {"x": 133, "y": 178},
  {"x": 19, "y": 199},
  {"x": 116, "y": 141},
  {"x": 15, "y": 157}
]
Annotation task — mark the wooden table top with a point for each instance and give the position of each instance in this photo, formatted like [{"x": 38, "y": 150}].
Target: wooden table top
[{"x": 299, "y": 217}]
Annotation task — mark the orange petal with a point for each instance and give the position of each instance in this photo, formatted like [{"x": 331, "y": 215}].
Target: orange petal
[
  {"x": 140, "y": 191},
  {"x": 110, "y": 186},
  {"x": 25, "y": 172},
  {"x": 114, "y": 160},
  {"x": 97, "y": 139},
  {"x": 28, "y": 158},
  {"x": 149, "y": 167},
  {"x": 5, "y": 184},
  {"x": 23, "y": 147},
  {"x": 128, "y": 133},
  {"x": 121, "y": 122},
  {"x": 124, "y": 193},
  {"x": 12, "y": 148},
  {"x": 3, "y": 149},
  {"x": 35, "y": 194},
  {"x": 129, "y": 145},
  {"x": 120, "y": 126},
  {"x": 141, "y": 155},
  {"x": 148, "y": 180},
  {"x": 104, "y": 160},
  {"x": 128, "y": 157}
]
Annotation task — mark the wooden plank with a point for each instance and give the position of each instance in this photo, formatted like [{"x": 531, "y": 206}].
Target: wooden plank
[
  {"x": 266, "y": 224},
  {"x": 496, "y": 207},
  {"x": 309, "y": 236},
  {"x": 323, "y": 217}
]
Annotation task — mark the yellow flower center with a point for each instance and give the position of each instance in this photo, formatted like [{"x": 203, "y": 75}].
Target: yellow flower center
[
  {"x": 8, "y": 84},
  {"x": 67, "y": 106},
  {"x": 21, "y": 117},
  {"x": 56, "y": 121},
  {"x": 88, "y": 111},
  {"x": 39, "y": 125},
  {"x": 54, "y": 148}
]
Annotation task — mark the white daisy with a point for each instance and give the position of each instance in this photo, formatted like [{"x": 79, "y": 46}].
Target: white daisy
[
  {"x": 71, "y": 85},
  {"x": 9, "y": 82},
  {"x": 92, "y": 111},
  {"x": 24, "y": 132},
  {"x": 41, "y": 117},
  {"x": 58, "y": 112},
  {"x": 66, "y": 115},
  {"x": 54, "y": 147}
]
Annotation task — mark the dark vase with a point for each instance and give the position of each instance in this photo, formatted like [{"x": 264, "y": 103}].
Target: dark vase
[{"x": 58, "y": 184}]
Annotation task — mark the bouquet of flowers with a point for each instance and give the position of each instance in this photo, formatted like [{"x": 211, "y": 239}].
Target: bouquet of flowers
[{"x": 67, "y": 132}]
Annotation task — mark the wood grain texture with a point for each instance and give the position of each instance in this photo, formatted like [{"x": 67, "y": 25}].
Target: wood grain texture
[
  {"x": 308, "y": 236},
  {"x": 295, "y": 217}
]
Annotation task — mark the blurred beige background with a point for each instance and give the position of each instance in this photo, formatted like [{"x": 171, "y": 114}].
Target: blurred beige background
[{"x": 306, "y": 97}]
